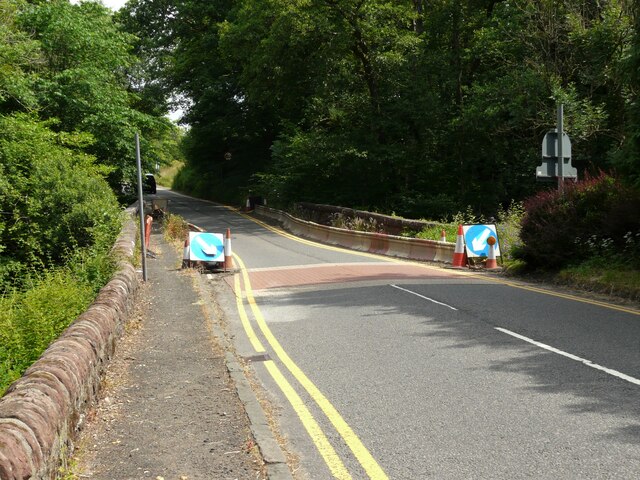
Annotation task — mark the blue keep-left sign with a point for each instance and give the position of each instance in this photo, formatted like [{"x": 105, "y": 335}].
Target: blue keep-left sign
[
  {"x": 475, "y": 239},
  {"x": 206, "y": 247}
]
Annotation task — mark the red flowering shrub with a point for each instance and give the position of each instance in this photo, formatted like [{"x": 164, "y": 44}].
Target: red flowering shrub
[{"x": 597, "y": 216}]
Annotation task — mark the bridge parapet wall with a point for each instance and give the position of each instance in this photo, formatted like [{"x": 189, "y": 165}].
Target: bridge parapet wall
[
  {"x": 390, "y": 245},
  {"x": 42, "y": 411}
]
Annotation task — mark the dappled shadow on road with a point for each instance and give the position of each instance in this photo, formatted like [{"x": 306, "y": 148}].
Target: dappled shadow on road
[
  {"x": 603, "y": 336},
  {"x": 606, "y": 337},
  {"x": 629, "y": 434},
  {"x": 594, "y": 392}
]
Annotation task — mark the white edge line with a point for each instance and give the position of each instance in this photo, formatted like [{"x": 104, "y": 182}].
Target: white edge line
[
  {"x": 422, "y": 296},
  {"x": 586, "y": 362}
]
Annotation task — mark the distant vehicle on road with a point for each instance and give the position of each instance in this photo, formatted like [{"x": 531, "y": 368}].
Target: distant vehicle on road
[{"x": 149, "y": 184}]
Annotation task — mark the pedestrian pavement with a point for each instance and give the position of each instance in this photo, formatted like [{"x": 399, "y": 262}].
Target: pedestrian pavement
[{"x": 176, "y": 404}]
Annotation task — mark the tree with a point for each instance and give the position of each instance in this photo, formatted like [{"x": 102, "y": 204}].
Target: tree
[
  {"x": 67, "y": 117},
  {"x": 416, "y": 107},
  {"x": 628, "y": 158},
  {"x": 85, "y": 85},
  {"x": 19, "y": 56},
  {"x": 53, "y": 199}
]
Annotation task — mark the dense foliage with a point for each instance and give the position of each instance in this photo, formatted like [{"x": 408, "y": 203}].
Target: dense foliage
[
  {"x": 69, "y": 108},
  {"x": 628, "y": 157},
  {"x": 53, "y": 197},
  {"x": 32, "y": 317},
  {"x": 416, "y": 107},
  {"x": 68, "y": 113},
  {"x": 598, "y": 218},
  {"x": 89, "y": 83}
]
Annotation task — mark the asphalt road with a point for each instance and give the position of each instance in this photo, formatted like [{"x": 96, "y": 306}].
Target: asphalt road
[{"x": 418, "y": 372}]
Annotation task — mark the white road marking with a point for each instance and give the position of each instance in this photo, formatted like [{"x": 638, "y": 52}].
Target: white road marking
[
  {"x": 422, "y": 296},
  {"x": 586, "y": 362}
]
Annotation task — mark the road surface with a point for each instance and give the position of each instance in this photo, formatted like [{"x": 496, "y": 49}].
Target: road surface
[{"x": 379, "y": 368}]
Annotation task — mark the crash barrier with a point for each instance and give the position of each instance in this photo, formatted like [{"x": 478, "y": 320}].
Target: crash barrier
[
  {"x": 41, "y": 413},
  {"x": 390, "y": 225},
  {"x": 391, "y": 245}
]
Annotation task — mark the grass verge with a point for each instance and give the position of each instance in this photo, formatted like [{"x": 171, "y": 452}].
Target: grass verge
[
  {"x": 615, "y": 281},
  {"x": 32, "y": 317},
  {"x": 167, "y": 174},
  {"x": 175, "y": 229}
]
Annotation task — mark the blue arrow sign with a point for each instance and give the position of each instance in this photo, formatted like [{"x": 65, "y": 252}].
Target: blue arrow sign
[
  {"x": 206, "y": 247},
  {"x": 475, "y": 238}
]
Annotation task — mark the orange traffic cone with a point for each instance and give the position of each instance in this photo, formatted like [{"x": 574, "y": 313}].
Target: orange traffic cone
[
  {"x": 491, "y": 263},
  {"x": 148, "y": 220},
  {"x": 228, "y": 259},
  {"x": 459, "y": 254},
  {"x": 443, "y": 235}
]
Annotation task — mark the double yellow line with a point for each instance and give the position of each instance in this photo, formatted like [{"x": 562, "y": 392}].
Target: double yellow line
[
  {"x": 331, "y": 458},
  {"x": 333, "y": 461}
]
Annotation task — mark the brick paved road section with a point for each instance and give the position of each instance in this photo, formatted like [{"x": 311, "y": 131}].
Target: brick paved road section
[{"x": 265, "y": 278}]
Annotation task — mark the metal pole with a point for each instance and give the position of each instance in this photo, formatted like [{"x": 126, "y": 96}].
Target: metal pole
[
  {"x": 560, "y": 149},
  {"x": 141, "y": 210}
]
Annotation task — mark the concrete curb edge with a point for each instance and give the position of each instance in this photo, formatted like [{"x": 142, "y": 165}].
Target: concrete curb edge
[
  {"x": 272, "y": 454},
  {"x": 276, "y": 463}
]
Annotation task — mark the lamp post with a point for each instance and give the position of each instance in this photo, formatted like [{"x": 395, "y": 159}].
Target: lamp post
[
  {"x": 560, "y": 149},
  {"x": 141, "y": 210}
]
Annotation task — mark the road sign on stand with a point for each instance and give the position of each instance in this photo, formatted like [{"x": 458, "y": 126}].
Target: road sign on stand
[
  {"x": 548, "y": 170},
  {"x": 556, "y": 155},
  {"x": 206, "y": 247},
  {"x": 475, "y": 239},
  {"x": 550, "y": 145}
]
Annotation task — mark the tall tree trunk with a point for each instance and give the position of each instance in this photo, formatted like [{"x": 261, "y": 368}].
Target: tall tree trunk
[{"x": 418, "y": 24}]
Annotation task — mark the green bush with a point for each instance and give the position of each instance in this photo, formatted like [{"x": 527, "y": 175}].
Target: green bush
[
  {"x": 59, "y": 221},
  {"x": 36, "y": 314},
  {"x": 508, "y": 225},
  {"x": 31, "y": 319},
  {"x": 54, "y": 199},
  {"x": 598, "y": 217}
]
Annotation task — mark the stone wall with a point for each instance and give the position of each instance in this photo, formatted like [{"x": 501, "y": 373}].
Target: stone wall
[
  {"x": 324, "y": 215},
  {"x": 41, "y": 412}
]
